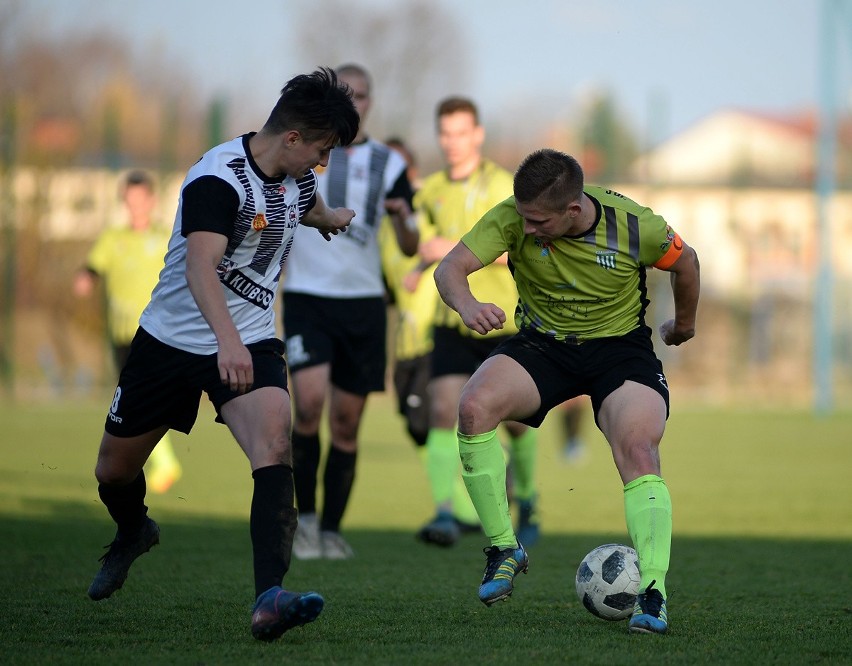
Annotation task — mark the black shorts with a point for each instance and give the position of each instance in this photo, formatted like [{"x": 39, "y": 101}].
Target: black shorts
[
  {"x": 348, "y": 333},
  {"x": 457, "y": 354},
  {"x": 596, "y": 368},
  {"x": 410, "y": 380},
  {"x": 161, "y": 385}
]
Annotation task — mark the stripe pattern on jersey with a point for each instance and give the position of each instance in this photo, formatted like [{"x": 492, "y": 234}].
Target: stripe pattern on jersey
[
  {"x": 338, "y": 175},
  {"x": 614, "y": 233}
]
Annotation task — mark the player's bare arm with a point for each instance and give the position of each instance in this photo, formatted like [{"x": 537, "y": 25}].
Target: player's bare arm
[
  {"x": 454, "y": 288},
  {"x": 435, "y": 249},
  {"x": 328, "y": 221},
  {"x": 204, "y": 251},
  {"x": 686, "y": 285},
  {"x": 404, "y": 225}
]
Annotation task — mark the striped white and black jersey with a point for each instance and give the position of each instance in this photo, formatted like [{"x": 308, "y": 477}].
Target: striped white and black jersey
[
  {"x": 226, "y": 193},
  {"x": 359, "y": 177}
]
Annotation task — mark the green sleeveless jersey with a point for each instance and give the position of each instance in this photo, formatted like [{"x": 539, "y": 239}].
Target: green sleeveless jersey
[
  {"x": 450, "y": 208},
  {"x": 585, "y": 287}
]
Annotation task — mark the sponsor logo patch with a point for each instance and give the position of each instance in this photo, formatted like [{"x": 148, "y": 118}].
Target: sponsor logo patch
[
  {"x": 606, "y": 258},
  {"x": 248, "y": 289},
  {"x": 546, "y": 246}
]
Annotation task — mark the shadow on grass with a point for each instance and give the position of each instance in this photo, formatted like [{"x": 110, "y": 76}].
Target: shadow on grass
[{"x": 731, "y": 600}]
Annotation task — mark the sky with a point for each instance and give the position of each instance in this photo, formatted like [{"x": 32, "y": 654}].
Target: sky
[{"x": 668, "y": 63}]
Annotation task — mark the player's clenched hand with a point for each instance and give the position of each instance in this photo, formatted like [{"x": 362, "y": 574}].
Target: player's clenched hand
[
  {"x": 398, "y": 207},
  {"x": 483, "y": 317},
  {"x": 235, "y": 367},
  {"x": 435, "y": 249},
  {"x": 411, "y": 280},
  {"x": 674, "y": 336},
  {"x": 338, "y": 220}
]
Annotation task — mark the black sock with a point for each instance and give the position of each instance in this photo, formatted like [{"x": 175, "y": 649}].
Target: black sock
[
  {"x": 306, "y": 458},
  {"x": 126, "y": 504},
  {"x": 337, "y": 481},
  {"x": 272, "y": 524}
]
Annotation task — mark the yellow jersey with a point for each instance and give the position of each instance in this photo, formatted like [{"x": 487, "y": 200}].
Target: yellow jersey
[
  {"x": 129, "y": 262},
  {"x": 449, "y": 209}
]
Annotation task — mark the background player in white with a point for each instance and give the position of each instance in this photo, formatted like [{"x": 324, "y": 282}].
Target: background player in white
[
  {"x": 335, "y": 323},
  {"x": 210, "y": 327}
]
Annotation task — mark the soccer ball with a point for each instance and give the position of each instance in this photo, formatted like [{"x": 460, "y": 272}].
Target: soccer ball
[{"x": 608, "y": 581}]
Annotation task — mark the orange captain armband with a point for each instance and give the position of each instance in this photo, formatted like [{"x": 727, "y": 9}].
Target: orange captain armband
[{"x": 673, "y": 249}]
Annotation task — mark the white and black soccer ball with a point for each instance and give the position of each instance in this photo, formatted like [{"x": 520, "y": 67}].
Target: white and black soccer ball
[{"x": 608, "y": 581}]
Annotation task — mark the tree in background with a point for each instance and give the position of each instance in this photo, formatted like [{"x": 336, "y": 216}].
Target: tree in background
[
  {"x": 66, "y": 100},
  {"x": 84, "y": 99},
  {"x": 608, "y": 143},
  {"x": 416, "y": 52}
]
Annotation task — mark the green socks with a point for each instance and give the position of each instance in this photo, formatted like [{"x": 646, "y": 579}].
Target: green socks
[
  {"x": 445, "y": 468},
  {"x": 648, "y": 509},
  {"x": 463, "y": 508},
  {"x": 484, "y": 473},
  {"x": 442, "y": 464},
  {"x": 523, "y": 459}
]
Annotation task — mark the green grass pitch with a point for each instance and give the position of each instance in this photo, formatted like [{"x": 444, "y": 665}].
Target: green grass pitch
[{"x": 760, "y": 569}]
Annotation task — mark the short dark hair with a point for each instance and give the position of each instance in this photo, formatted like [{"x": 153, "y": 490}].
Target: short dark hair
[
  {"x": 550, "y": 178},
  {"x": 396, "y": 143},
  {"x": 316, "y": 105},
  {"x": 456, "y": 105},
  {"x": 139, "y": 177}
]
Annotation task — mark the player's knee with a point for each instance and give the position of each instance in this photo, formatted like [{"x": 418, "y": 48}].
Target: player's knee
[
  {"x": 640, "y": 455},
  {"x": 474, "y": 410},
  {"x": 442, "y": 414},
  {"x": 112, "y": 474},
  {"x": 345, "y": 426},
  {"x": 272, "y": 451},
  {"x": 307, "y": 414}
]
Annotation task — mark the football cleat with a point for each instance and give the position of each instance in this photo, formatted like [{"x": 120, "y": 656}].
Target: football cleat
[
  {"x": 649, "y": 612},
  {"x": 121, "y": 554},
  {"x": 277, "y": 611},
  {"x": 442, "y": 530},
  {"x": 306, "y": 540},
  {"x": 500, "y": 570},
  {"x": 335, "y": 547}
]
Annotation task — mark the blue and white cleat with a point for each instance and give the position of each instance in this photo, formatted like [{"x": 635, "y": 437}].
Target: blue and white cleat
[
  {"x": 649, "y": 612},
  {"x": 277, "y": 611},
  {"x": 500, "y": 571}
]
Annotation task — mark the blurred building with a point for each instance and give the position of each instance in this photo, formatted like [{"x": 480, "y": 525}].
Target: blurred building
[
  {"x": 736, "y": 148},
  {"x": 740, "y": 187}
]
